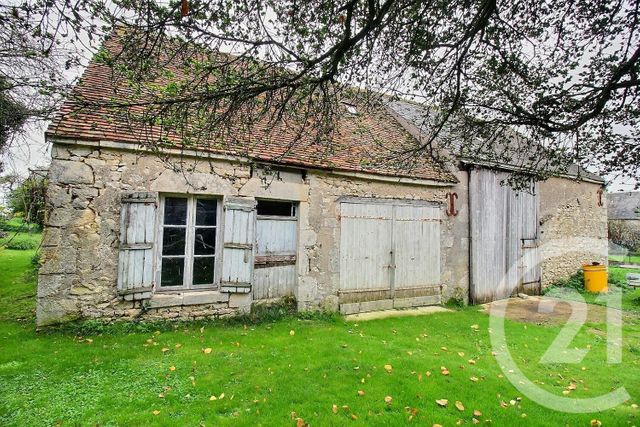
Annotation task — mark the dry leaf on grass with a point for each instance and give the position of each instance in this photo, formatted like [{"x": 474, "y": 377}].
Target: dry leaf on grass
[
  {"x": 388, "y": 400},
  {"x": 388, "y": 368},
  {"x": 459, "y": 406},
  {"x": 360, "y": 392},
  {"x": 207, "y": 350},
  {"x": 442, "y": 402},
  {"x": 155, "y": 412}
]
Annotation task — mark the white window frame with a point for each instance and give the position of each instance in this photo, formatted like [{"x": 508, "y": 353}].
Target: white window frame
[{"x": 187, "y": 279}]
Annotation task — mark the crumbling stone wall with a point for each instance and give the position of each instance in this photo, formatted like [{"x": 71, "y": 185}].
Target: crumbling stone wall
[
  {"x": 573, "y": 228},
  {"x": 81, "y": 239}
]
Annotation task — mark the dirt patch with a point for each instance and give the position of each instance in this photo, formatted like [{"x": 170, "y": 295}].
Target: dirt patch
[{"x": 549, "y": 311}]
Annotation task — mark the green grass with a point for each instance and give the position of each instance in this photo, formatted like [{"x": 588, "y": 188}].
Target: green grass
[
  {"x": 632, "y": 258},
  {"x": 630, "y": 297},
  {"x": 116, "y": 374},
  {"x": 21, "y": 241}
]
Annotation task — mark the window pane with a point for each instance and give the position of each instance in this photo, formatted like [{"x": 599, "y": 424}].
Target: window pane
[
  {"x": 206, "y": 212},
  {"x": 270, "y": 207},
  {"x": 203, "y": 270},
  {"x": 172, "y": 272},
  {"x": 173, "y": 240},
  {"x": 175, "y": 211},
  {"x": 205, "y": 241}
]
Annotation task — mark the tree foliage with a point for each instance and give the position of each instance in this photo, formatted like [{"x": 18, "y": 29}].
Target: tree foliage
[
  {"x": 27, "y": 199},
  {"x": 561, "y": 73}
]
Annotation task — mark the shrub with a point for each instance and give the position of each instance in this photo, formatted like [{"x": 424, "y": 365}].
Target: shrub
[{"x": 21, "y": 244}]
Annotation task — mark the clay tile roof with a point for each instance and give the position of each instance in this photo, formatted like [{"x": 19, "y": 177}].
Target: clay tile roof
[{"x": 362, "y": 142}]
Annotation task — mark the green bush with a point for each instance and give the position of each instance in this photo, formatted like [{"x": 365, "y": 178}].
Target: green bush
[{"x": 21, "y": 244}]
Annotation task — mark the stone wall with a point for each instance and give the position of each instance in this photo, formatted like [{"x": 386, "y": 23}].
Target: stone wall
[
  {"x": 573, "y": 228},
  {"x": 81, "y": 240},
  {"x": 319, "y": 265}
]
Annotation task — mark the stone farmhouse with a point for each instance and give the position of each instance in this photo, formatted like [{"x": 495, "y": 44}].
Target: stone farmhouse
[
  {"x": 130, "y": 236},
  {"x": 625, "y": 206}
]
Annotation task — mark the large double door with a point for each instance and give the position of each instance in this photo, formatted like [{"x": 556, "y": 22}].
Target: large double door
[{"x": 389, "y": 254}]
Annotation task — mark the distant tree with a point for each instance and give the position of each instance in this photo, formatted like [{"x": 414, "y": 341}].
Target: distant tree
[
  {"x": 28, "y": 200},
  {"x": 13, "y": 115},
  {"x": 622, "y": 234},
  {"x": 559, "y": 72}
]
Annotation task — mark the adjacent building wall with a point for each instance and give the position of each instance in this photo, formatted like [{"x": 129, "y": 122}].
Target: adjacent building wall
[
  {"x": 573, "y": 227},
  {"x": 81, "y": 239}
]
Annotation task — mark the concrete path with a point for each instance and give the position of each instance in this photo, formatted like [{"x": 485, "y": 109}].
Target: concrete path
[{"x": 420, "y": 311}]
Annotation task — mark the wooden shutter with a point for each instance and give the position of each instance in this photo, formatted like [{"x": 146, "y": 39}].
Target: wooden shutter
[
  {"x": 137, "y": 234},
  {"x": 239, "y": 241}
]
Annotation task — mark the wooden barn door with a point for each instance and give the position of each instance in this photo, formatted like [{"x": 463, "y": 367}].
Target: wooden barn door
[
  {"x": 276, "y": 247},
  {"x": 504, "y": 238},
  {"x": 389, "y": 255}
]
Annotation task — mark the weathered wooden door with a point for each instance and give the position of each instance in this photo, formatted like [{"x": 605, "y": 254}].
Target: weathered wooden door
[
  {"x": 275, "y": 263},
  {"x": 504, "y": 238},
  {"x": 389, "y": 254}
]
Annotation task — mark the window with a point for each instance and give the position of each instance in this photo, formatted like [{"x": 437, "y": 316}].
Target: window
[
  {"x": 276, "y": 208},
  {"x": 189, "y": 233}
]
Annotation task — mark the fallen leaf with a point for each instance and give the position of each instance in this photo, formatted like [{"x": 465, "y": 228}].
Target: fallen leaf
[
  {"x": 504, "y": 404},
  {"x": 213, "y": 398},
  {"x": 472, "y": 362},
  {"x": 437, "y": 425},
  {"x": 474, "y": 379},
  {"x": 566, "y": 392},
  {"x": 178, "y": 345},
  {"x": 172, "y": 368},
  {"x": 155, "y": 412},
  {"x": 596, "y": 423},
  {"x": 444, "y": 349},
  {"x": 634, "y": 406},
  {"x": 442, "y": 402},
  {"x": 165, "y": 349},
  {"x": 388, "y": 368},
  {"x": 334, "y": 408},
  {"x": 207, "y": 350},
  {"x": 572, "y": 386},
  {"x": 388, "y": 400},
  {"x": 360, "y": 392},
  {"x": 475, "y": 421},
  {"x": 461, "y": 353},
  {"x": 89, "y": 340},
  {"x": 292, "y": 332},
  {"x": 459, "y": 406},
  {"x": 354, "y": 417},
  {"x": 444, "y": 371},
  {"x": 161, "y": 395},
  {"x": 477, "y": 413},
  {"x": 300, "y": 422},
  {"x": 475, "y": 326}
]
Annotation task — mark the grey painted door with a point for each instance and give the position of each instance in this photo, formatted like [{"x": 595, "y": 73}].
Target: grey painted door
[
  {"x": 389, "y": 254},
  {"x": 504, "y": 238}
]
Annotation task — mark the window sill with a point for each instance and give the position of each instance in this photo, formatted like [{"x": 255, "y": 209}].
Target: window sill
[{"x": 178, "y": 299}]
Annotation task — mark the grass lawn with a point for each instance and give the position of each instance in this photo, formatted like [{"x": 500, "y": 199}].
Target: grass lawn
[
  {"x": 274, "y": 373},
  {"x": 635, "y": 258}
]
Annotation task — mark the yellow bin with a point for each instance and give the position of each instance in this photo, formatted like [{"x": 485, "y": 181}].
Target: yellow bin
[{"x": 595, "y": 277}]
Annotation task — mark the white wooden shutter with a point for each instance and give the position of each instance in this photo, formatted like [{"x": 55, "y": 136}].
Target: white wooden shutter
[
  {"x": 239, "y": 245},
  {"x": 137, "y": 235}
]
